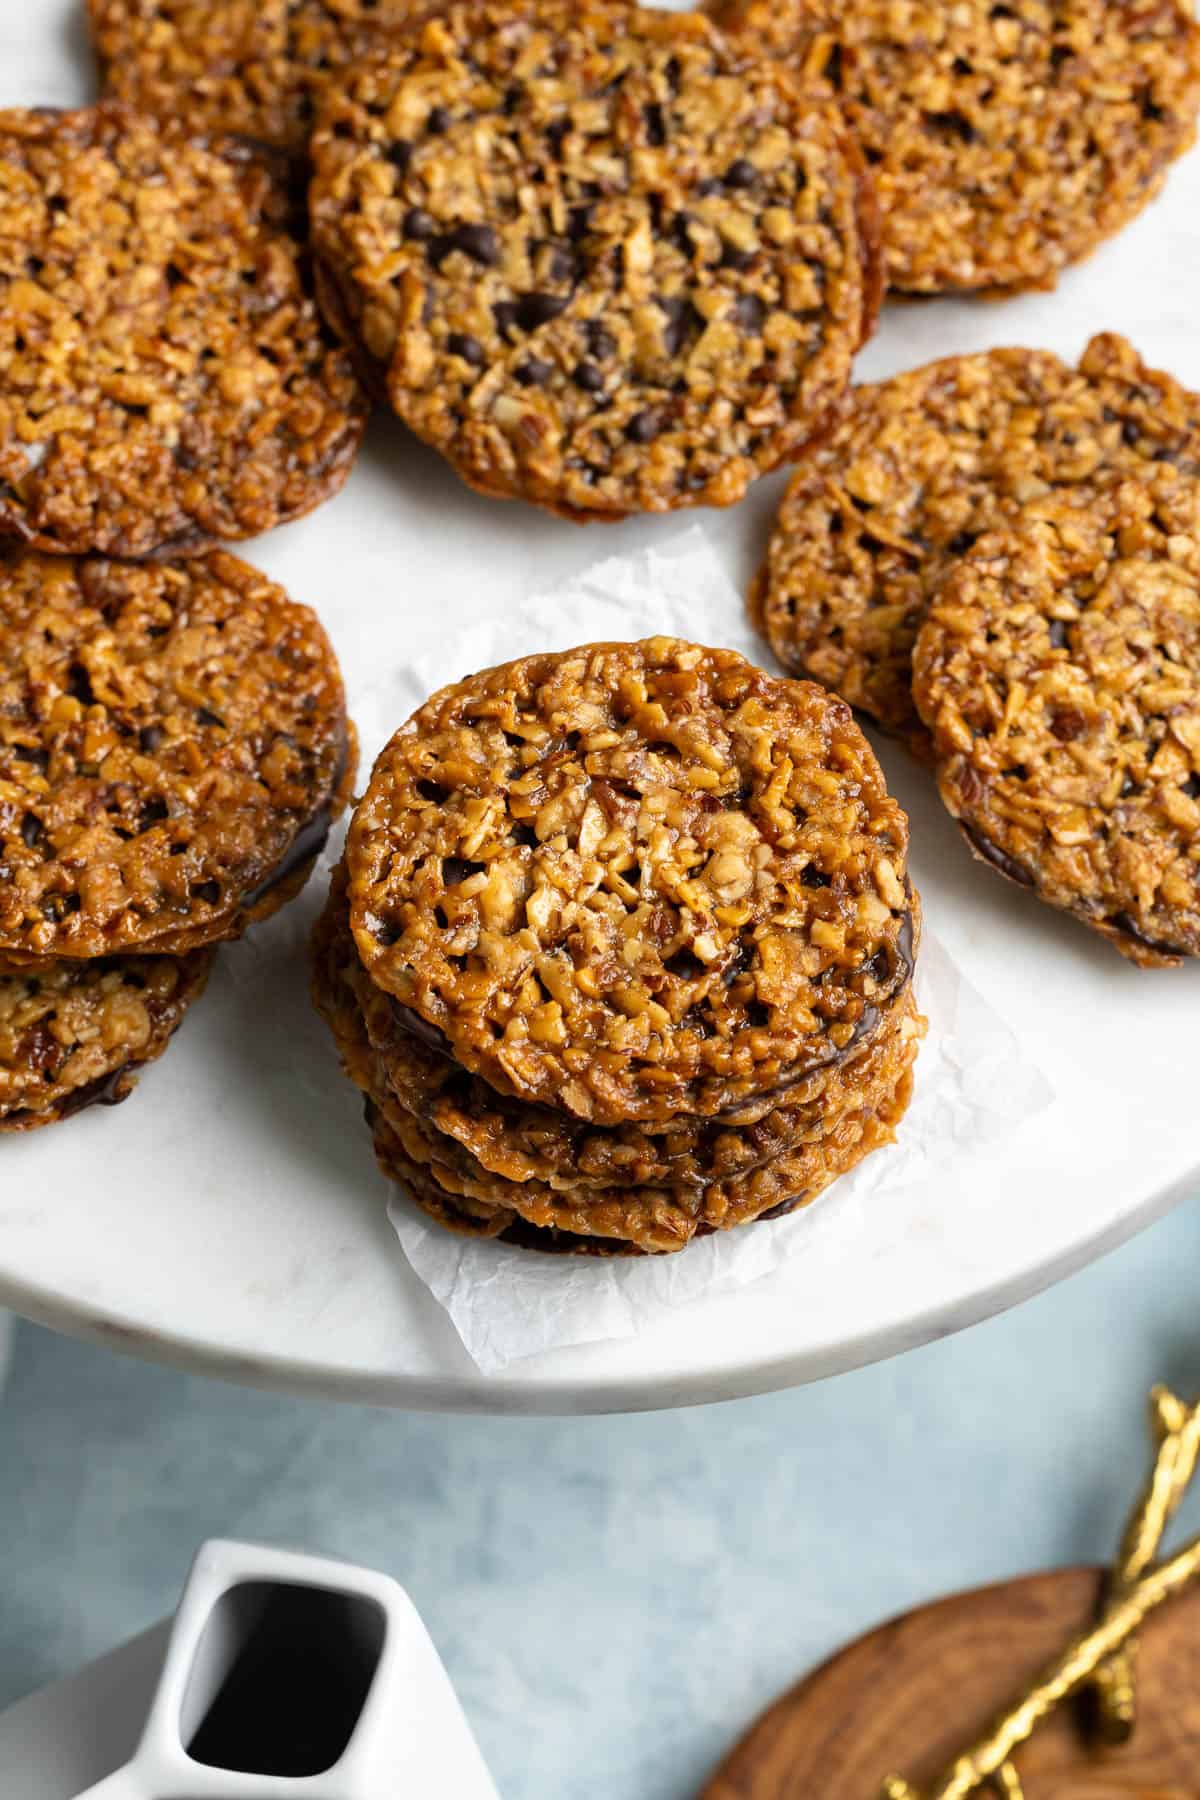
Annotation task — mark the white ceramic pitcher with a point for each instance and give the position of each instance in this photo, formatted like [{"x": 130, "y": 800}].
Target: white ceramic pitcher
[{"x": 290, "y": 1676}]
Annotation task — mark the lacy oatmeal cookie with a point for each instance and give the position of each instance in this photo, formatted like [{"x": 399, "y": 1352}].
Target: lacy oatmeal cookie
[
  {"x": 173, "y": 746},
  {"x": 607, "y": 265},
  {"x": 1059, "y": 670},
  {"x": 631, "y": 880},
  {"x": 1005, "y": 140},
  {"x": 73, "y": 1034},
  {"x": 254, "y": 69},
  {"x": 920, "y": 467},
  {"x": 659, "y": 1220},
  {"x": 165, "y": 377},
  {"x": 539, "y": 1143}
]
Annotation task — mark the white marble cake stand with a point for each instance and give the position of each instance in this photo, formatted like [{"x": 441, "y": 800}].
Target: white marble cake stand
[{"x": 227, "y": 1220}]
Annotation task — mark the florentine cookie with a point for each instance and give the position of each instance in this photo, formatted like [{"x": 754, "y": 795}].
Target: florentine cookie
[
  {"x": 654, "y": 1221},
  {"x": 477, "y": 1218},
  {"x": 245, "y": 68},
  {"x": 605, "y": 264},
  {"x": 1059, "y": 670},
  {"x": 447, "y": 1180},
  {"x": 631, "y": 880},
  {"x": 74, "y": 1034},
  {"x": 921, "y": 466},
  {"x": 539, "y": 1143},
  {"x": 1005, "y": 141},
  {"x": 173, "y": 746},
  {"x": 165, "y": 377}
]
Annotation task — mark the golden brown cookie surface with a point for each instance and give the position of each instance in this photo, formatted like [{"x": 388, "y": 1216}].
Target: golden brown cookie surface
[
  {"x": 1059, "y": 671},
  {"x": 633, "y": 879},
  {"x": 165, "y": 378},
  {"x": 540, "y": 1143},
  {"x": 864, "y": 1101},
  {"x": 173, "y": 746},
  {"x": 607, "y": 265},
  {"x": 72, "y": 1035},
  {"x": 254, "y": 69},
  {"x": 921, "y": 466},
  {"x": 1005, "y": 140}
]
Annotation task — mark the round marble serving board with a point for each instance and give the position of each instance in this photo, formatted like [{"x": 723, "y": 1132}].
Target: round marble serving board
[
  {"x": 909, "y": 1697},
  {"x": 229, "y": 1219}
]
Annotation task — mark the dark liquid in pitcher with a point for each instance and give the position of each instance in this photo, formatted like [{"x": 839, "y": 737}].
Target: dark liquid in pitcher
[{"x": 295, "y": 1692}]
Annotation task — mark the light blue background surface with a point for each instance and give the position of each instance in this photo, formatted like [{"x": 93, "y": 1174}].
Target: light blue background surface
[{"x": 615, "y": 1598}]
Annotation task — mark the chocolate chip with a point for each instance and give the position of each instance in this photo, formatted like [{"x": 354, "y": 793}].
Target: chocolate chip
[
  {"x": 400, "y": 153},
  {"x": 960, "y": 544},
  {"x": 469, "y": 348},
  {"x": 750, "y": 312},
  {"x": 741, "y": 174},
  {"x": 953, "y": 124},
  {"x": 682, "y": 321},
  {"x": 588, "y": 377},
  {"x": 419, "y": 226},
  {"x": 433, "y": 790},
  {"x": 479, "y": 242},
  {"x": 150, "y": 738},
  {"x": 1130, "y": 434},
  {"x": 733, "y": 258},
  {"x": 208, "y": 891},
  {"x": 812, "y": 877},
  {"x": 1058, "y": 634},
  {"x": 538, "y": 309},
  {"x": 505, "y": 314},
  {"x": 534, "y": 372},
  {"x": 455, "y": 870},
  {"x": 712, "y": 184},
  {"x": 656, "y": 124},
  {"x": 644, "y": 427},
  {"x": 31, "y": 830},
  {"x": 152, "y": 813},
  {"x": 601, "y": 342},
  {"x": 561, "y": 265},
  {"x": 205, "y": 716},
  {"x": 438, "y": 121},
  {"x": 684, "y": 964}
]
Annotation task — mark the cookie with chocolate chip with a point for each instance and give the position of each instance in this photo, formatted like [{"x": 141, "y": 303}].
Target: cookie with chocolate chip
[
  {"x": 655, "y": 1221},
  {"x": 254, "y": 69},
  {"x": 521, "y": 1142},
  {"x": 862, "y": 1102},
  {"x": 166, "y": 380},
  {"x": 631, "y": 880},
  {"x": 1059, "y": 672},
  {"x": 74, "y": 1034},
  {"x": 173, "y": 747},
  {"x": 1005, "y": 140},
  {"x": 920, "y": 467},
  {"x": 603, "y": 262}
]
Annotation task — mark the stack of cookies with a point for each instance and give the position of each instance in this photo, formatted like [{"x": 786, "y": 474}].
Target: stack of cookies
[
  {"x": 621, "y": 949},
  {"x": 173, "y": 748},
  {"x": 173, "y": 733},
  {"x": 1027, "y": 531}
]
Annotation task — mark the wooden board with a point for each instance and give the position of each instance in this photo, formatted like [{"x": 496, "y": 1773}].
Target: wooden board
[{"x": 912, "y": 1695}]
